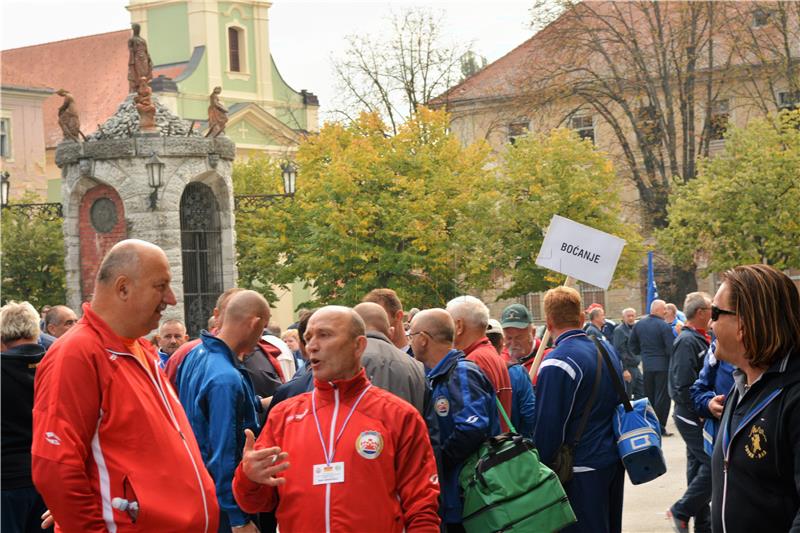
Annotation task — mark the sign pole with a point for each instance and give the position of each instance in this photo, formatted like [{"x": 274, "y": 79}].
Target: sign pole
[{"x": 569, "y": 282}]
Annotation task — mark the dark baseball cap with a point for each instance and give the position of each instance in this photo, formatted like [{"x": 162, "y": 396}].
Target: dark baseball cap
[{"x": 516, "y": 316}]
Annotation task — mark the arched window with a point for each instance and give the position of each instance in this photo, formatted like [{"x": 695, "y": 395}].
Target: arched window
[{"x": 234, "y": 47}]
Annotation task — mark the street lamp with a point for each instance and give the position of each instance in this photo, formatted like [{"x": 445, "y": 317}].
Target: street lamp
[
  {"x": 289, "y": 178},
  {"x": 251, "y": 202},
  {"x": 155, "y": 169},
  {"x": 5, "y": 185},
  {"x": 48, "y": 211}
]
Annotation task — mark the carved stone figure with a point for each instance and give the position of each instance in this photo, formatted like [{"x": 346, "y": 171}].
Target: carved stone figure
[
  {"x": 217, "y": 114},
  {"x": 139, "y": 63},
  {"x": 68, "y": 118},
  {"x": 145, "y": 107}
]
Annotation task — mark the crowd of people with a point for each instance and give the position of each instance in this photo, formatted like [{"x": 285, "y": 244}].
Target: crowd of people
[{"x": 360, "y": 419}]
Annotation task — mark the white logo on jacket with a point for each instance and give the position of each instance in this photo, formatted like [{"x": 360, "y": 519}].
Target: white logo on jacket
[
  {"x": 297, "y": 417},
  {"x": 52, "y": 438}
]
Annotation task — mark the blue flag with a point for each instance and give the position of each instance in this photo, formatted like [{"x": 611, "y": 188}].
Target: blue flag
[{"x": 652, "y": 289}]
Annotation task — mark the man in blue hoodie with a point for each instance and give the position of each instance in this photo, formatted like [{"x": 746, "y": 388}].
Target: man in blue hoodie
[
  {"x": 216, "y": 391},
  {"x": 563, "y": 391},
  {"x": 463, "y": 399}
]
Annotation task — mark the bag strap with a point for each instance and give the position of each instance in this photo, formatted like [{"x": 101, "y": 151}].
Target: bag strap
[
  {"x": 588, "y": 409},
  {"x": 505, "y": 416},
  {"x": 620, "y": 388}
]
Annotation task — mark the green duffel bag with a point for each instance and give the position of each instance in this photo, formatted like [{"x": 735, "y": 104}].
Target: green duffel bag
[{"x": 507, "y": 488}]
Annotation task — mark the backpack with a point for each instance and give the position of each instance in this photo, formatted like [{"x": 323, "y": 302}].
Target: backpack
[
  {"x": 507, "y": 488},
  {"x": 637, "y": 430}
]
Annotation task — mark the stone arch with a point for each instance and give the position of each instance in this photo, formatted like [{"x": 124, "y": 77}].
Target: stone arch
[
  {"x": 201, "y": 253},
  {"x": 101, "y": 224}
]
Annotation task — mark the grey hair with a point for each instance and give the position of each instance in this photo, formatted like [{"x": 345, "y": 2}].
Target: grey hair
[
  {"x": 631, "y": 309},
  {"x": 694, "y": 302},
  {"x": 594, "y": 312},
  {"x": 471, "y": 310},
  {"x": 18, "y": 320}
]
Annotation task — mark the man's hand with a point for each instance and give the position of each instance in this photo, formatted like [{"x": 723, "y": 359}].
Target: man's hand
[
  {"x": 247, "y": 528},
  {"x": 626, "y": 375},
  {"x": 262, "y": 466},
  {"x": 716, "y": 405},
  {"x": 47, "y": 519}
]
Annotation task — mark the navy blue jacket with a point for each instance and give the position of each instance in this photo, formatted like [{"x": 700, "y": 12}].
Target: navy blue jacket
[
  {"x": 464, "y": 402},
  {"x": 523, "y": 402},
  {"x": 684, "y": 368},
  {"x": 220, "y": 403},
  {"x": 621, "y": 340},
  {"x": 565, "y": 383},
  {"x": 715, "y": 378},
  {"x": 652, "y": 337}
]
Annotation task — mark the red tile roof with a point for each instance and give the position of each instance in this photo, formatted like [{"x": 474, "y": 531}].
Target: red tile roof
[{"x": 93, "y": 68}]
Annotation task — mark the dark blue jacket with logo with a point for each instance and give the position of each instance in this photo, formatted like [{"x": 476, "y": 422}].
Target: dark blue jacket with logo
[
  {"x": 756, "y": 462},
  {"x": 464, "y": 402},
  {"x": 220, "y": 403}
]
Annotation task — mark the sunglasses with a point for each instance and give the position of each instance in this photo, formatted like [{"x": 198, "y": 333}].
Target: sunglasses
[{"x": 716, "y": 311}]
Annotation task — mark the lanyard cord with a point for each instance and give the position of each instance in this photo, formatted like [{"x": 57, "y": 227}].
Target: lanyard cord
[{"x": 329, "y": 458}]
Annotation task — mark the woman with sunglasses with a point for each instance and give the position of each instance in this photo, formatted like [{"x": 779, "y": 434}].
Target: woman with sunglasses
[{"x": 755, "y": 316}]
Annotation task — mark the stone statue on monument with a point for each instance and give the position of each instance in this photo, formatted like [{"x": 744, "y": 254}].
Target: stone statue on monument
[
  {"x": 68, "y": 117},
  {"x": 217, "y": 114},
  {"x": 139, "y": 63},
  {"x": 145, "y": 107}
]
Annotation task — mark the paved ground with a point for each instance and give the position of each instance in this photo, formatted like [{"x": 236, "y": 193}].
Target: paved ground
[{"x": 645, "y": 505}]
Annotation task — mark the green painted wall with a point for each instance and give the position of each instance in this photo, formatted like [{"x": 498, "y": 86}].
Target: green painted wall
[
  {"x": 195, "y": 85},
  {"x": 168, "y": 33},
  {"x": 242, "y": 16},
  {"x": 54, "y": 190},
  {"x": 245, "y": 133},
  {"x": 281, "y": 92}
]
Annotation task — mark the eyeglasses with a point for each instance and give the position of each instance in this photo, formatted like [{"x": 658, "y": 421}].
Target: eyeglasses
[
  {"x": 716, "y": 311},
  {"x": 411, "y": 335}
]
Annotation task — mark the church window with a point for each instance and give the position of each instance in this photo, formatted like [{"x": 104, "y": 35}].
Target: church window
[{"x": 234, "y": 47}]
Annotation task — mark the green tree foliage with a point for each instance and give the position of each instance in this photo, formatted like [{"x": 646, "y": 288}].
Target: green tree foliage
[
  {"x": 32, "y": 258},
  {"x": 743, "y": 207},
  {"x": 371, "y": 211},
  {"x": 554, "y": 173}
]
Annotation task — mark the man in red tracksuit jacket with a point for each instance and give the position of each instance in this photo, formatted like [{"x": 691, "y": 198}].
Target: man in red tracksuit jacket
[
  {"x": 360, "y": 457},
  {"x": 112, "y": 448}
]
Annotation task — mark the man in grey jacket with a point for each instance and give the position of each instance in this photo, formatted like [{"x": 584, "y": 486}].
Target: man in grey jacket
[
  {"x": 387, "y": 366},
  {"x": 652, "y": 338}
]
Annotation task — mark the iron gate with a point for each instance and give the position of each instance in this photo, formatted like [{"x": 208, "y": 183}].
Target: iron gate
[{"x": 201, "y": 247}]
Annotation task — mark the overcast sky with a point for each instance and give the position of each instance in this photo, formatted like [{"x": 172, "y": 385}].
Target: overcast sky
[{"x": 305, "y": 34}]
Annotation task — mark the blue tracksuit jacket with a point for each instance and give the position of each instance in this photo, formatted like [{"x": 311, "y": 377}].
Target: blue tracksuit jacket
[
  {"x": 563, "y": 389},
  {"x": 523, "y": 402},
  {"x": 220, "y": 403},
  {"x": 464, "y": 402}
]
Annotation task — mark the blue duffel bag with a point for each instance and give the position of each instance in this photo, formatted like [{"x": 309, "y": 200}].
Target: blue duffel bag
[{"x": 637, "y": 430}]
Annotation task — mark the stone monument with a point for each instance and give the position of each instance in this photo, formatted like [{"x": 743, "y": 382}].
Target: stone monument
[{"x": 150, "y": 176}]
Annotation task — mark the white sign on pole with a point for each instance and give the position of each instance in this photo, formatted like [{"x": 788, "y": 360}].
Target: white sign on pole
[{"x": 580, "y": 251}]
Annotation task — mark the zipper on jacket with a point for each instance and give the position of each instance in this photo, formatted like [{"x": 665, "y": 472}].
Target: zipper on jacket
[
  {"x": 724, "y": 489},
  {"x": 177, "y": 426},
  {"x": 331, "y": 444}
]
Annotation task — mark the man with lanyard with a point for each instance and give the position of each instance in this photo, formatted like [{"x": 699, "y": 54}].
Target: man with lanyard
[{"x": 348, "y": 441}]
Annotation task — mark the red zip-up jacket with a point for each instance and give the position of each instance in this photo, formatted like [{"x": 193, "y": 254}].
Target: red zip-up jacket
[
  {"x": 483, "y": 354},
  {"x": 390, "y": 481},
  {"x": 105, "y": 429}
]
